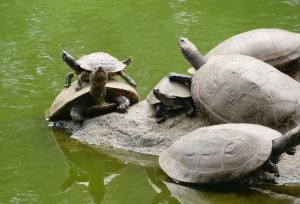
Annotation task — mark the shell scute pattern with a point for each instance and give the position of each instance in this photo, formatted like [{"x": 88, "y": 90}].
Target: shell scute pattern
[
  {"x": 225, "y": 152},
  {"x": 255, "y": 92}
]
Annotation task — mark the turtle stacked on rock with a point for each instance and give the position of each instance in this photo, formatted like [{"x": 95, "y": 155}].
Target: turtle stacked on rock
[
  {"x": 277, "y": 47},
  {"x": 100, "y": 95},
  {"x": 225, "y": 153},
  {"x": 170, "y": 96},
  {"x": 88, "y": 63}
]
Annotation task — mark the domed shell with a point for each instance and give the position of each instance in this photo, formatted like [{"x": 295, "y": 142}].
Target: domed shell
[
  {"x": 63, "y": 101},
  {"x": 169, "y": 87},
  {"x": 218, "y": 153},
  {"x": 105, "y": 60},
  {"x": 237, "y": 88},
  {"x": 274, "y": 46}
]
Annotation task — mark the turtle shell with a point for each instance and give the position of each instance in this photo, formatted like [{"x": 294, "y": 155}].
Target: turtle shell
[
  {"x": 105, "y": 60},
  {"x": 274, "y": 46},
  {"x": 169, "y": 87},
  {"x": 61, "y": 105},
  {"x": 218, "y": 153},
  {"x": 238, "y": 88}
]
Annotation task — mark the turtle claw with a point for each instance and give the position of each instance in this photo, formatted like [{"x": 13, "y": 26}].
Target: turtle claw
[
  {"x": 77, "y": 119},
  {"x": 123, "y": 108},
  {"x": 67, "y": 85},
  {"x": 77, "y": 88},
  {"x": 160, "y": 120},
  {"x": 190, "y": 112},
  {"x": 132, "y": 83}
]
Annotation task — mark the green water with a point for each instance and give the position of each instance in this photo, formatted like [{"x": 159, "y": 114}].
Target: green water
[{"x": 40, "y": 167}]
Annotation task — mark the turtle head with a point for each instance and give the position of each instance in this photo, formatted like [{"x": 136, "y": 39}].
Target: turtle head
[
  {"x": 65, "y": 56},
  {"x": 159, "y": 95},
  {"x": 191, "y": 53},
  {"x": 98, "y": 80},
  {"x": 98, "y": 77}
]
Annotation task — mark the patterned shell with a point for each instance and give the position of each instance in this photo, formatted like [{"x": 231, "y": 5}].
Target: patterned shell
[
  {"x": 242, "y": 89},
  {"x": 169, "y": 87},
  {"x": 105, "y": 60},
  {"x": 67, "y": 96},
  {"x": 274, "y": 46},
  {"x": 218, "y": 153}
]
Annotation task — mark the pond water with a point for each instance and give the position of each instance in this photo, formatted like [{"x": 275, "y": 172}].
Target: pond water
[{"x": 38, "y": 166}]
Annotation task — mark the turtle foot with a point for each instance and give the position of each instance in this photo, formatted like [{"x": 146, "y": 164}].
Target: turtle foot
[
  {"x": 190, "y": 112},
  {"x": 122, "y": 108},
  {"x": 291, "y": 151},
  {"x": 67, "y": 85},
  {"x": 77, "y": 118},
  {"x": 160, "y": 120},
  {"x": 77, "y": 88},
  {"x": 132, "y": 83}
]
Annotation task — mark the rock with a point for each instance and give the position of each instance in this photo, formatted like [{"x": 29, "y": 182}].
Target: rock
[
  {"x": 135, "y": 137},
  {"x": 137, "y": 130}
]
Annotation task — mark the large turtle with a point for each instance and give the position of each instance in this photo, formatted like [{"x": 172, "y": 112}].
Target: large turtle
[
  {"x": 168, "y": 95},
  {"x": 95, "y": 97},
  {"x": 238, "y": 88},
  {"x": 227, "y": 152},
  {"x": 87, "y": 63},
  {"x": 277, "y": 47}
]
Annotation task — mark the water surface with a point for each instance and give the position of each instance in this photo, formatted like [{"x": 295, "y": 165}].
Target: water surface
[{"x": 40, "y": 167}]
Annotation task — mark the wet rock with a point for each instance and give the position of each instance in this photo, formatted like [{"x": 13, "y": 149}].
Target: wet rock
[
  {"x": 137, "y": 130},
  {"x": 136, "y": 135}
]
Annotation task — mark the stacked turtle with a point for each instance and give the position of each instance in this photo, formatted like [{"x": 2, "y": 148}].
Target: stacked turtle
[{"x": 95, "y": 91}]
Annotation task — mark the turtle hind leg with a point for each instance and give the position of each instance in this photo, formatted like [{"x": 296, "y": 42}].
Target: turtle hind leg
[
  {"x": 69, "y": 60},
  {"x": 122, "y": 102},
  {"x": 186, "y": 80},
  {"x": 160, "y": 113},
  {"x": 188, "y": 107},
  {"x": 127, "y": 61},
  {"x": 127, "y": 78}
]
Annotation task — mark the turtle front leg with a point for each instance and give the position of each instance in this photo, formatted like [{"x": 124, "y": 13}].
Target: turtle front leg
[
  {"x": 159, "y": 113},
  {"x": 76, "y": 114},
  {"x": 69, "y": 79},
  {"x": 83, "y": 75},
  {"x": 180, "y": 78},
  {"x": 189, "y": 108},
  {"x": 122, "y": 102},
  {"x": 127, "y": 78}
]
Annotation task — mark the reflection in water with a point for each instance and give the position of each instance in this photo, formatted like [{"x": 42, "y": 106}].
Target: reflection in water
[
  {"x": 87, "y": 166},
  {"x": 226, "y": 194}
]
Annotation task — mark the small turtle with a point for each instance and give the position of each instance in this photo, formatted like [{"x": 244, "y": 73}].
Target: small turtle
[
  {"x": 241, "y": 89},
  {"x": 95, "y": 97},
  {"x": 168, "y": 96},
  {"x": 279, "y": 48},
  {"x": 87, "y": 63},
  {"x": 227, "y": 152}
]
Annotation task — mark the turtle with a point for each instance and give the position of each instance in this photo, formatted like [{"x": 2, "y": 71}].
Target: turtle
[
  {"x": 100, "y": 95},
  {"x": 226, "y": 152},
  {"x": 241, "y": 89},
  {"x": 277, "y": 47},
  {"x": 87, "y": 63},
  {"x": 168, "y": 96}
]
